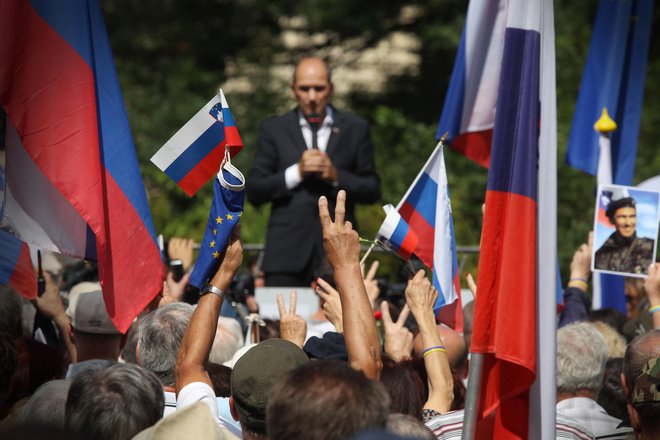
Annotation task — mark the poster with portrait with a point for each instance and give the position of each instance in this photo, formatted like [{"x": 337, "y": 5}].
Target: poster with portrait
[{"x": 625, "y": 230}]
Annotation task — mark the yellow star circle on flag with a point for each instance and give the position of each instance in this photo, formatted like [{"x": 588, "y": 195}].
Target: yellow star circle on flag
[
  {"x": 218, "y": 219},
  {"x": 216, "y": 254},
  {"x": 229, "y": 216},
  {"x": 212, "y": 244}
]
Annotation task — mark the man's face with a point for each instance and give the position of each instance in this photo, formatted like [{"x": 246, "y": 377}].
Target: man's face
[
  {"x": 311, "y": 87},
  {"x": 625, "y": 221}
]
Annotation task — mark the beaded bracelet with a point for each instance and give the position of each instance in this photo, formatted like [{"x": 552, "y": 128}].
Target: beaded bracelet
[
  {"x": 654, "y": 309},
  {"x": 437, "y": 348}
]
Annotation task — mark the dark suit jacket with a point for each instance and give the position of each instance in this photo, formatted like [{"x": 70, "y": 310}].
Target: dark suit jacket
[{"x": 294, "y": 229}]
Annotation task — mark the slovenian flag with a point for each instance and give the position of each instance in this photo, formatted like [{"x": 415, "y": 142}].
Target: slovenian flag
[
  {"x": 194, "y": 154},
  {"x": 395, "y": 234},
  {"x": 226, "y": 211},
  {"x": 73, "y": 181},
  {"x": 427, "y": 209},
  {"x": 515, "y": 310},
  {"x": 468, "y": 114}
]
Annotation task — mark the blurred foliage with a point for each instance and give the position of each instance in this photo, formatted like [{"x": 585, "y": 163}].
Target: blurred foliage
[{"x": 171, "y": 56}]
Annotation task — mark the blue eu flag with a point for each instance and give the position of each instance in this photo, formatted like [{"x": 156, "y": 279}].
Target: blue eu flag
[{"x": 226, "y": 211}]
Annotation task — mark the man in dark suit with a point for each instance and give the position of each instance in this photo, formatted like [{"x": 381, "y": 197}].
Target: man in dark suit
[{"x": 313, "y": 150}]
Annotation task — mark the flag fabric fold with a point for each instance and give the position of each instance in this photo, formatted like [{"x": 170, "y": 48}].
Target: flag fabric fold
[
  {"x": 517, "y": 264},
  {"x": 396, "y": 235},
  {"x": 73, "y": 181},
  {"x": 427, "y": 210},
  {"x": 468, "y": 113},
  {"x": 226, "y": 211},
  {"x": 194, "y": 154}
]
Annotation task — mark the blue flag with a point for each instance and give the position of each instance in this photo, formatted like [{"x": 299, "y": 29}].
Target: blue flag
[
  {"x": 226, "y": 211},
  {"x": 613, "y": 78}
]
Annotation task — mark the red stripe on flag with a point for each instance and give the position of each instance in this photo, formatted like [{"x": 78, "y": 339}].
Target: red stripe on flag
[
  {"x": 452, "y": 314},
  {"x": 409, "y": 244},
  {"x": 425, "y": 233},
  {"x": 24, "y": 279},
  {"x": 234, "y": 140},
  {"x": 474, "y": 145},
  {"x": 209, "y": 166},
  {"x": 505, "y": 309}
]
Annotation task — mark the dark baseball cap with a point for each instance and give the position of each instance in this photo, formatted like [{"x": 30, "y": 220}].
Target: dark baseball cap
[{"x": 254, "y": 375}]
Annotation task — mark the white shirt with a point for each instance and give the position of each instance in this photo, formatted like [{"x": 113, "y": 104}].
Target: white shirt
[
  {"x": 588, "y": 413},
  {"x": 199, "y": 392},
  {"x": 292, "y": 176}
]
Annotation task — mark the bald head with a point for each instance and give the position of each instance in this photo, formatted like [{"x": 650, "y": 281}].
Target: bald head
[
  {"x": 454, "y": 343},
  {"x": 311, "y": 86}
]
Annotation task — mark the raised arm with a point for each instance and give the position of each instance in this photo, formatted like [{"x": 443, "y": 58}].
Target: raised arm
[
  {"x": 652, "y": 286},
  {"x": 342, "y": 248},
  {"x": 420, "y": 297},
  {"x": 198, "y": 338}
]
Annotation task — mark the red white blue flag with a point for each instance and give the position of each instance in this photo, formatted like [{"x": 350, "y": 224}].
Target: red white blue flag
[
  {"x": 468, "y": 114},
  {"x": 193, "y": 155},
  {"x": 16, "y": 268},
  {"x": 73, "y": 181},
  {"x": 395, "y": 234},
  {"x": 427, "y": 209},
  {"x": 515, "y": 309}
]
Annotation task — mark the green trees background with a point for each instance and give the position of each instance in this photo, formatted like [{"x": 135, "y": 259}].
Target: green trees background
[{"x": 171, "y": 55}]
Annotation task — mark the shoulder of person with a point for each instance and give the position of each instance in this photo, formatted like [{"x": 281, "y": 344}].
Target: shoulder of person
[
  {"x": 279, "y": 120},
  {"x": 342, "y": 116}
]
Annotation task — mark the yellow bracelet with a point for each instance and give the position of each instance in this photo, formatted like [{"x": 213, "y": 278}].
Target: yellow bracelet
[
  {"x": 654, "y": 309},
  {"x": 578, "y": 283},
  {"x": 433, "y": 350}
]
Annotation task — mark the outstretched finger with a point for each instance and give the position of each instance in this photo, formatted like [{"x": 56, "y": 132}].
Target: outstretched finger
[
  {"x": 292, "y": 303},
  {"x": 590, "y": 241},
  {"x": 340, "y": 207},
  {"x": 324, "y": 214},
  {"x": 471, "y": 284},
  {"x": 385, "y": 313},
  {"x": 372, "y": 271},
  {"x": 280, "y": 305},
  {"x": 403, "y": 316}
]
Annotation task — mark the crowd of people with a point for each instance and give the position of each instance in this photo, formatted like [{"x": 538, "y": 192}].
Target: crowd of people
[
  {"x": 360, "y": 368},
  {"x": 183, "y": 370}
]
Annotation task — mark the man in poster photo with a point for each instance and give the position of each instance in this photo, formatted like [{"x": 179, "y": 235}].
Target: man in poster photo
[{"x": 623, "y": 251}]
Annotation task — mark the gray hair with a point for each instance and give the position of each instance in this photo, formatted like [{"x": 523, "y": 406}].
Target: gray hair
[
  {"x": 114, "y": 404},
  {"x": 160, "y": 335},
  {"x": 46, "y": 406},
  {"x": 405, "y": 425},
  {"x": 581, "y": 357},
  {"x": 228, "y": 339}
]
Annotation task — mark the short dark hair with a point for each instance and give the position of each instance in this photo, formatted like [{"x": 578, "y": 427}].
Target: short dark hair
[
  {"x": 404, "y": 386},
  {"x": 615, "y": 205},
  {"x": 115, "y": 403},
  {"x": 344, "y": 399}
]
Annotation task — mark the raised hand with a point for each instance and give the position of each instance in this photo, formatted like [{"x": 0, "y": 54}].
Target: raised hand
[
  {"x": 371, "y": 283},
  {"x": 293, "y": 327},
  {"x": 331, "y": 303},
  {"x": 398, "y": 339}
]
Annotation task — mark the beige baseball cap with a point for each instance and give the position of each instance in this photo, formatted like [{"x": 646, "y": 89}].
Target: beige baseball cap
[{"x": 87, "y": 310}]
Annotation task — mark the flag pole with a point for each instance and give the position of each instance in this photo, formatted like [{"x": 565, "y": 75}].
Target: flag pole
[
  {"x": 366, "y": 254},
  {"x": 472, "y": 396}
]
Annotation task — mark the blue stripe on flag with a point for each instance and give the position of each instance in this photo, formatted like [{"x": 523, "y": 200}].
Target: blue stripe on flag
[
  {"x": 399, "y": 234},
  {"x": 423, "y": 198},
  {"x": 197, "y": 151},
  {"x": 514, "y": 168},
  {"x": 10, "y": 250},
  {"x": 452, "y": 110},
  {"x": 227, "y": 118}
]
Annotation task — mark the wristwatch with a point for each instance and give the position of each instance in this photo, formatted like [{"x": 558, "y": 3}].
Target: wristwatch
[{"x": 210, "y": 288}]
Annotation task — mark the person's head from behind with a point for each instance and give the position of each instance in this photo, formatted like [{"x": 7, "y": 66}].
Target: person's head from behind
[
  {"x": 581, "y": 356},
  {"x": 115, "y": 403},
  {"x": 409, "y": 427},
  {"x": 325, "y": 400},
  {"x": 92, "y": 329},
  {"x": 46, "y": 406},
  {"x": 641, "y": 382},
  {"x": 228, "y": 339},
  {"x": 312, "y": 86},
  {"x": 622, "y": 213},
  {"x": 253, "y": 377},
  {"x": 404, "y": 386},
  {"x": 159, "y": 338}
]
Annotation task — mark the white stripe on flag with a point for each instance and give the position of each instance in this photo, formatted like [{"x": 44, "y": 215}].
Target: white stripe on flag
[
  {"x": 543, "y": 391},
  {"x": 183, "y": 138},
  {"x": 443, "y": 257}
]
